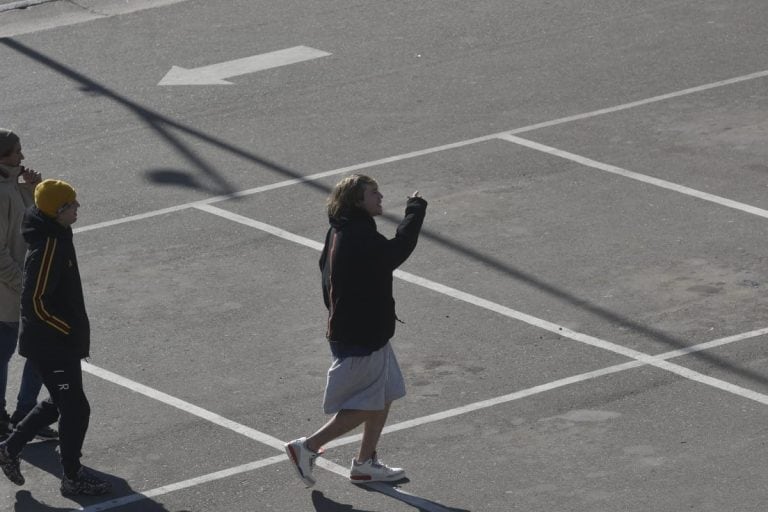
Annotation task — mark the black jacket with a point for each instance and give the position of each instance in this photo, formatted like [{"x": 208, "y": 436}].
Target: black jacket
[
  {"x": 54, "y": 324},
  {"x": 357, "y": 264}
]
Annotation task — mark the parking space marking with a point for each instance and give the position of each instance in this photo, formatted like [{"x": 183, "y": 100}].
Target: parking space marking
[
  {"x": 639, "y": 103},
  {"x": 512, "y": 313},
  {"x": 285, "y": 183},
  {"x": 412, "y": 423},
  {"x": 178, "y": 486},
  {"x": 588, "y": 162},
  {"x": 639, "y": 358},
  {"x": 423, "y": 152},
  {"x": 183, "y": 405}
]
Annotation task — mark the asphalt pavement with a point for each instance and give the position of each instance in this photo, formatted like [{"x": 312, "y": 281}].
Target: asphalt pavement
[{"x": 584, "y": 312}]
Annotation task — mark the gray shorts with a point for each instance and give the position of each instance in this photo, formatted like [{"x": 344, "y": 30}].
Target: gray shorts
[{"x": 364, "y": 383}]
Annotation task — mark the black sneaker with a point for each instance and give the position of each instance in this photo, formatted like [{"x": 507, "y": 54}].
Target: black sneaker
[
  {"x": 84, "y": 482},
  {"x": 11, "y": 466}
]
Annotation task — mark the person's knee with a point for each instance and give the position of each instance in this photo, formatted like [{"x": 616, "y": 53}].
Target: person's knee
[
  {"x": 82, "y": 408},
  {"x": 75, "y": 405},
  {"x": 48, "y": 410}
]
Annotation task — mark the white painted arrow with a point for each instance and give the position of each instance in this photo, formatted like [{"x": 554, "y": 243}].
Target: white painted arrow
[{"x": 216, "y": 73}]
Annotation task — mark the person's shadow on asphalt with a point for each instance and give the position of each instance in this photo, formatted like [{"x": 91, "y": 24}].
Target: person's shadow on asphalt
[
  {"x": 43, "y": 455},
  {"x": 324, "y": 504}
]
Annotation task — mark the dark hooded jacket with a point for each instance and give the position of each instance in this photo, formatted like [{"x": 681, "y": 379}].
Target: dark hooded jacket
[
  {"x": 54, "y": 323},
  {"x": 357, "y": 264}
]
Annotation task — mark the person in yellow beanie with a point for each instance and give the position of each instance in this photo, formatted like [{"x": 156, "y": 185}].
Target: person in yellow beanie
[
  {"x": 55, "y": 335},
  {"x": 52, "y": 196},
  {"x": 17, "y": 184}
]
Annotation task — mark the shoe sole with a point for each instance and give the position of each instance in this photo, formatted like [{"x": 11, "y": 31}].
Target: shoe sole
[
  {"x": 365, "y": 479},
  {"x": 295, "y": 462}
]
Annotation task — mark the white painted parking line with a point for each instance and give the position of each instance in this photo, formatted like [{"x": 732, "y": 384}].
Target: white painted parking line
[
  {"x": 412, "y": 423},
  {"x": 285, "y": 183},
  {"x": 525, "y": 393},
  {"x": 588, "y": 162},
  {"x": 178, "y": 486},
  {"x": 640, "y": 103},
  {"x": 184, "y": 406},
  {"x": 512, "y": 313},
  {"x": 423, "y": 152},
  {"x": 639, "y": 359}
]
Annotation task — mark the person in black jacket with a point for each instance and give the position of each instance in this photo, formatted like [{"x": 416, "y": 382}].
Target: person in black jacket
[
  {"x": 357, "y": 264},
  {"x": 54, "y": 336}
]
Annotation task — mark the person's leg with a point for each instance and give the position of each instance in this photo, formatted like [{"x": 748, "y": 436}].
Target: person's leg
[
  {"x": 73, "y": 424},
  {"x": 8, "y": 334},
  {"x": 367, "y": 467},
  {"x": 44, "y": 413},
  {"x": 372, "y": 428},
  {"x": 303, "y": 451},
  {"x": 341, "y": 423},
  {"x": 74, "y": 410},
  {"x": 31, "y": 384}
]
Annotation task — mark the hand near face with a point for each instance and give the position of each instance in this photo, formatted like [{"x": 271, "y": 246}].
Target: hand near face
[{"x": 30, "y": 176}]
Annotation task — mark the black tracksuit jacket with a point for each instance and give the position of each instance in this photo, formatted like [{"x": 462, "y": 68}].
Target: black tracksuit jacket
[
  {"x": 357, "y": 264},
  {"x": 54, "y": 323}
]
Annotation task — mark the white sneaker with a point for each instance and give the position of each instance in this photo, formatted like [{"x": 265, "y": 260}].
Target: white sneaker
[
  {"x": 373, "y": 470},
  {"x": 303, "y": 459}
]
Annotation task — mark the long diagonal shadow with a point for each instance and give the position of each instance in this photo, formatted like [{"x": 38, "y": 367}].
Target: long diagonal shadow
[
  {"x": 156, "y": 121},
  {"x": 160, "y": 123},
  {"x": 585, "y": 305}
]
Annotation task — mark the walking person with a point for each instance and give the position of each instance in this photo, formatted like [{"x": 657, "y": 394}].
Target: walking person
[
  {"x": 364, "y": 378},
  {"x": 15, "y": 197},
  {"x": 54, "y": 336}
]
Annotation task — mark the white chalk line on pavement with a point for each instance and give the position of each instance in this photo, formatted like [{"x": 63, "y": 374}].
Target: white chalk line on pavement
[
  {"x": 639, "y": 103},
  {"x": 509, "y": 312},
  {"x": 269, "y": 440},
  {"x": 178, "y": 486},
  {"x": 183, "y": 405},
  {"x": 640, "y": 359},
  {"x": 431, "y": 418},
  {"x": 423, "y": 152},
  {"x": 681, "y": 189}
]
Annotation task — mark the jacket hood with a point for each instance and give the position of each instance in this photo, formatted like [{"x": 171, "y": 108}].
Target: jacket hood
[
  {"x": 351, "y": 215},
  {"x": 37, "y": 226}
]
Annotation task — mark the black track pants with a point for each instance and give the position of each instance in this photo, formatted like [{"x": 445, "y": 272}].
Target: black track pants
[{"x": 64, "y": 381}]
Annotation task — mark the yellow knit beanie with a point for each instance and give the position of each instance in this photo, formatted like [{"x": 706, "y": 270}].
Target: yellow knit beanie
[{"x": 50, "y": 195}]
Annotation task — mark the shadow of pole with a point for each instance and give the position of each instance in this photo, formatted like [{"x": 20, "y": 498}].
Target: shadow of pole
[
  {"x": 598, "y": 311},
  {"x": 159, "y": 123}
]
